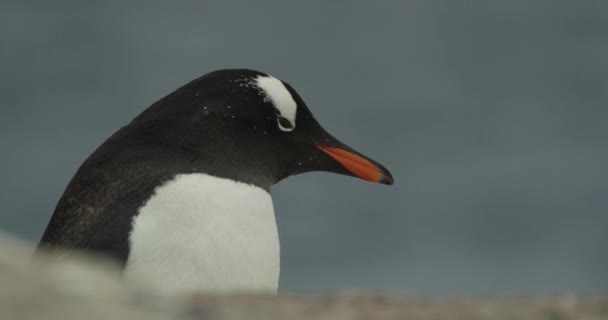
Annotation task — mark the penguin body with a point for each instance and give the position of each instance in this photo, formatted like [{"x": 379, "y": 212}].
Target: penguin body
[
  {"x": 181, "y": 195},
  {"x": 227, "y": 237}
]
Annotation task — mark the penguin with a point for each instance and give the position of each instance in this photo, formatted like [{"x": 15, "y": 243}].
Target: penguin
[{"x": 180, "y": 196}]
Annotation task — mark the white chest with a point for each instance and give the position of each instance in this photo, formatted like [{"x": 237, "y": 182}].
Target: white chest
[{"x": 203, "y": 233}]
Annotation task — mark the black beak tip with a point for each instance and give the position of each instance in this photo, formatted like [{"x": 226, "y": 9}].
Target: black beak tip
[{"x": 386, "y": 178}]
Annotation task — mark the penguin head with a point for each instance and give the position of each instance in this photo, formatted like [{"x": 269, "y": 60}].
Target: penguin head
[{"x": 248, "y": 126}]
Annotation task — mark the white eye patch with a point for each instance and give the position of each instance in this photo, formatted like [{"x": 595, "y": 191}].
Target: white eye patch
[{"x": 277, "y": 94}]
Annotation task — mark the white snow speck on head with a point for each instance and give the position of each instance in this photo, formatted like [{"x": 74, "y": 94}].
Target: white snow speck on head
[{"x": 275, "y": 91}]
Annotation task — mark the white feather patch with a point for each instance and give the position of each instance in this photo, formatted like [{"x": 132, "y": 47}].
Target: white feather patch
[
  {"x": 203, "y": 233},
  {"x": 276, "y": 92}
]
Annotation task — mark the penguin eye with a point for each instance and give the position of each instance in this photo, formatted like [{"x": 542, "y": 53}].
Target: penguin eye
[{"x": 285, "y": 124}]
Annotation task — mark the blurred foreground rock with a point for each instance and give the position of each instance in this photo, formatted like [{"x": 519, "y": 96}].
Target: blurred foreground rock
[{"x": 85, "y": 288}]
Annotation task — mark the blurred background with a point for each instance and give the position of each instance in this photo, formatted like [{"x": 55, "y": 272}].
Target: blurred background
[{"x": 490, "y": 115}]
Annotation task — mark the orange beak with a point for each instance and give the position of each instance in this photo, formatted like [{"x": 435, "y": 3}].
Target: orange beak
[{"x": 358, "y": 165}]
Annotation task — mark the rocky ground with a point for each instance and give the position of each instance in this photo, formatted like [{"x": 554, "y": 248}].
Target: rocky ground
[{"x": 84, "y": 288}]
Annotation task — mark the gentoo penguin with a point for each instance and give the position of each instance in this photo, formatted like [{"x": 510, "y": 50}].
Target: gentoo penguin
[{"x": 180, "y": 196}]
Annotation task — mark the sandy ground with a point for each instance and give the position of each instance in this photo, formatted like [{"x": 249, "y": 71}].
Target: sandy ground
[{"x": 85, "y": 288}]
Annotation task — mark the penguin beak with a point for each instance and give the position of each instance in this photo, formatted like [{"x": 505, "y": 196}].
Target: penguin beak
[{"x": 357, "y": 164}]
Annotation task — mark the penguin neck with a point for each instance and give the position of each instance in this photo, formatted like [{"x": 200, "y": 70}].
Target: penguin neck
[
  {"x": 199, "y": 232},
  {"x": 218, "y": 155}
]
